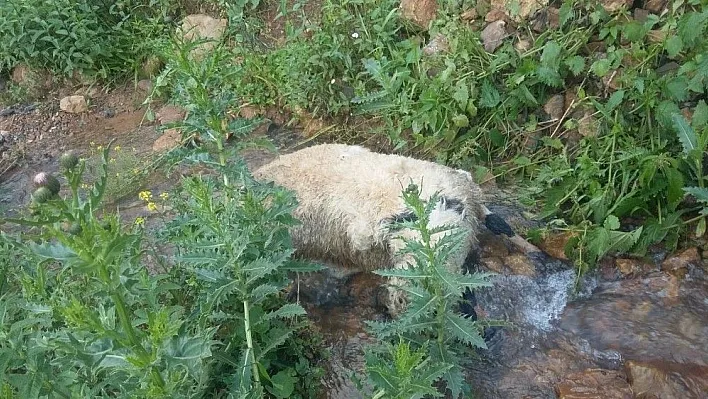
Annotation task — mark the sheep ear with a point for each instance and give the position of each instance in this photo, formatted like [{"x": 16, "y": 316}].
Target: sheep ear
[{"x": 498, "y": 226}]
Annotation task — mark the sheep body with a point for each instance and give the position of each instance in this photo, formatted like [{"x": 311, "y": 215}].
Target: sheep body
[{"x": 349, "y": 196}]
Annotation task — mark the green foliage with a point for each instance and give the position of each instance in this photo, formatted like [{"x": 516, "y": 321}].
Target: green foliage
[
  {"x": 86, "y": 36},
  {"x": 619, "y": 150},
  {"x": 233, "y": 243},
  {"x": 402, "y": 373},
  {"x": 431, "y": 322},
  {"x": 82, "y": 315}
]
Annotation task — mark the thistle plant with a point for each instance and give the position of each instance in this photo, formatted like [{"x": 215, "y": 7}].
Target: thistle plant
[
  {"x": 113, "y": 329},
  {"x": 432, "y": 319},
  {"x": 233, "y": 242}
]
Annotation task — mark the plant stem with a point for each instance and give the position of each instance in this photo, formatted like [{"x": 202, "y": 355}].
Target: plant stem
[{"x": 249, "y": 339}]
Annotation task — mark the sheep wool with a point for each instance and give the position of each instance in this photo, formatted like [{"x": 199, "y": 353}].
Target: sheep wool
[{"x": 349, "y": 197}]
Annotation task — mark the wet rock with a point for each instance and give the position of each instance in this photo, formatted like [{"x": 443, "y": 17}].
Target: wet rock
[
  {"x": 202, "y": 27},
  {"x": 493, "y": 35},
  {"x": 678, "y": 263},
  {"x": 437, "y": 45},
  {"x": 659, "y": 379},
  {"x": 494, "y": 264},
  {"x": 555, "y": 106},
  {"x": 633, "y": 267},
  {"x": 554, "y": 244},
  {"x": 520, "y": 265},
  {"x": 73, "y": 104},
  {"x": 615, "y": 5},
  {"x": 594, "y": 384},
  {"x": 655, "y": 6},
  {"x": 419, "y": 12},
  {"x": 492, "y": 246},
  {"x": 170, "y": 113},
  {"x": 171, "y": 138},
  {"x": 656, "y": 318}
]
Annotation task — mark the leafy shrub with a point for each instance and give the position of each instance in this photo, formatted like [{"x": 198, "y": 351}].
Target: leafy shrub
[
  {"x": 83, "y": 316},
  {"x": 106, "y": 38}
]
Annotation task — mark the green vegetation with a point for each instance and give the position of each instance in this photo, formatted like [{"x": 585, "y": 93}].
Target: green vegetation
[
  {"x": 600, "y": 118},
  {"x": 107, "y": 39},
  {"x": 612, "y": 170},
  {"x": 84, "y": 315},
  {"x": 431, "y": 321}
]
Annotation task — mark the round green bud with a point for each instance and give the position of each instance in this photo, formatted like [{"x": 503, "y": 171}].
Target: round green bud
[
  {"x": 68, "y": 160},
  {"x": 41, "y": 195}
]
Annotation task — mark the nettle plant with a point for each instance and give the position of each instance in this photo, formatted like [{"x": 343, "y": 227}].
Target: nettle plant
[
  {"x": 84, "y": 316},
  {"x": 432, "y": 324}
]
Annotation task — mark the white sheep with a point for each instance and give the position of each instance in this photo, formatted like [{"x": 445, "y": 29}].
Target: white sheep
[{"x": 349, "y": 197}]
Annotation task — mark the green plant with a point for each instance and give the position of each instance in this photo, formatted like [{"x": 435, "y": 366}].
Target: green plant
[
  {"x": 432, "y": 319},
  {"x": 84, "y": 317},
  {"x": 233, "y": 239},
  {"x": 85, "y": 36},
  {"x": 202, "y": 84},
  {"x": 111, "y": 334},
  {"x": 402, "y": 373}
]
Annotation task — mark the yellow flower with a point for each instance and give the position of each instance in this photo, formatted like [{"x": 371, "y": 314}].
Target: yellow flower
[
  {"x": 152, "y": 207},
  {"x": 145, "y": 196},
  {"x": 112, "y": 160},
  {"x": 99, "y": 148},
  {"x": 164, "y": 196},
  {"x": 117, "y": 148},
  {"x": 139, "y": 221}
]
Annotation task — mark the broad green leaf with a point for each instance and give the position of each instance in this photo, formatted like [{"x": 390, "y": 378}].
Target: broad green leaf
[
  {"x": 701, "y": 193},
  {"x": 686, "y": 134},
  {"x": 462, "y": 94},
  {"x": 283, "y": 383},
  {"x": 489, "y": 97},
  {"x": 615, "y": 100},
  {"x": 673, "y": 46},
  {"x": 700, "y": 115},
  {"x": 575, "y": 64},
  {"x": 601, "y": 67},
  {"x": 612, "y": 223}
]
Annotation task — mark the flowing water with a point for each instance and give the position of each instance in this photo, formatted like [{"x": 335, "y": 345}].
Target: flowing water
[{"x": 651, "y": 332}]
